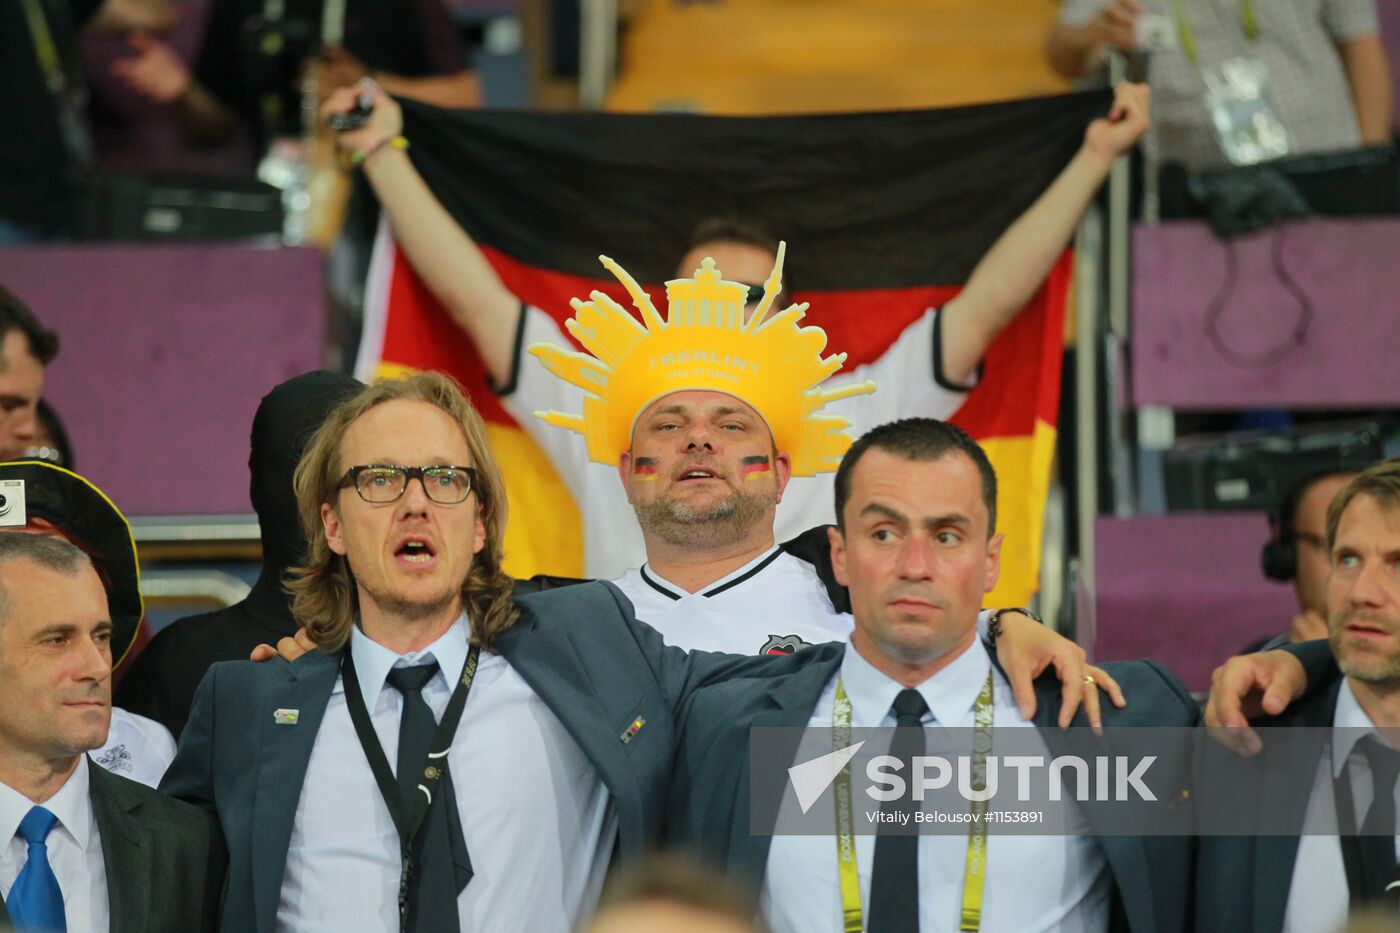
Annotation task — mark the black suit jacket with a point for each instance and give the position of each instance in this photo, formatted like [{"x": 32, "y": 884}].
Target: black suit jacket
[
  {"x": 164, "y": 859},
  {"x": 710, "y": 802},
  {"x": 1243, "y": 881}
]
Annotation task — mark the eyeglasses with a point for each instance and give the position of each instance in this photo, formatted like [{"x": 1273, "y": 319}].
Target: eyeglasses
[{"x": 445, "y": 485}]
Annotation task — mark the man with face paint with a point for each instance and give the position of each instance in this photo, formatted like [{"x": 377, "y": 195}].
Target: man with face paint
[{"x": 706, "y": 416}]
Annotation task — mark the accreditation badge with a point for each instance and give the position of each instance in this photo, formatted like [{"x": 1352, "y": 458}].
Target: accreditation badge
[{"x": 1246, "y": 124}]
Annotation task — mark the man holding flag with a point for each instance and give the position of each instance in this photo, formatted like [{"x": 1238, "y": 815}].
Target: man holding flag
[{"x": 924, "y": 370}]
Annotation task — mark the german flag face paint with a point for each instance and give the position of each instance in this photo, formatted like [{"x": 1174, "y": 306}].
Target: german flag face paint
[
  {"x": 756, "y": 467},
  {"x": 644, "y": 468}
]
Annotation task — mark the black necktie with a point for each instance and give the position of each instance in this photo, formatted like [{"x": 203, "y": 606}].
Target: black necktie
[
  {"x": 437, "y": 876},
  {"x": 1378, "y": 867},
  {"x": 894, "y": 880}
]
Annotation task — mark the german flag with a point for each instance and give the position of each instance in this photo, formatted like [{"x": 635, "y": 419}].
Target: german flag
[{"x": 885, "y": 216}]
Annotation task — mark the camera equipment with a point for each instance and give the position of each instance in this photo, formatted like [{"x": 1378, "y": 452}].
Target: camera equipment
[
  {"x": 12, "y": 512},
  {"x": 352, "y": 119}
]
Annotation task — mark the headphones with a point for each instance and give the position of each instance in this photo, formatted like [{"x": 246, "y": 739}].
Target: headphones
[{"x": 1279, "y": 559}]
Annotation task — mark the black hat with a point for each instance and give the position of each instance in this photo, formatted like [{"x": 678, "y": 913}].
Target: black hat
[{"x": 85, "y": 514}]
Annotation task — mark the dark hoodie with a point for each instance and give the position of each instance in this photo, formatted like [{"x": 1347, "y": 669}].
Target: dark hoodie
[{"x": 161, "y": 682}]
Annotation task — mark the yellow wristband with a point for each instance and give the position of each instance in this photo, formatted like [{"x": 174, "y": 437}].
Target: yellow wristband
[{"x": 359, "y": 156}]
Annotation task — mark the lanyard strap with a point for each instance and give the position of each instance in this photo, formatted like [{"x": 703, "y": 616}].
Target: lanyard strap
[
  {"x": 852, "y": 920},
  {"x": 1249, "y": 25},
  {"x": 975, "y": 876},
  {"x": 975, "y": 873},
  {"x": 44, "y": 46},
  {"x": 406, "y": 824}
]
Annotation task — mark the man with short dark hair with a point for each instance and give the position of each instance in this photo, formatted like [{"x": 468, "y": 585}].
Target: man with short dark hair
[
  {"x": 917, "y": 548},
  {"x": 59, "y": 503},
  {"x": 82, "y": 849},
  {"x": 26, "y": 347}
]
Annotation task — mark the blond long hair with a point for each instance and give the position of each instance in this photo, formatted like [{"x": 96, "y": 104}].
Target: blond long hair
[{"x": 324, "y": 596}]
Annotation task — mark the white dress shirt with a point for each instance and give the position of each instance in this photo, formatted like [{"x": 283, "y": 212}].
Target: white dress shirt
[
  {"x": 74, "y": 845},
  {"x": 538, "y": 821},
  {"x": 776, "y": 602},
  {"x": 905, "y": 386},
  {"x": 137, "y": 748},
  {"x": 1318, "y": 897},
  {"x": 1033, "y": 883}
]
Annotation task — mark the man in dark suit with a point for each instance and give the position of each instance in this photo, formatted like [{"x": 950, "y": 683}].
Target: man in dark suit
[
  {"x": 917, "y": 548},
  {"x": 85, "y": 849},
  {"x": 1312, "y": 881}
]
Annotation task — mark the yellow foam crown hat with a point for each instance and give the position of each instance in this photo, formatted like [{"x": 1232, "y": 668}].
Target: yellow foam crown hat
[{"x": 705, "y": 343}]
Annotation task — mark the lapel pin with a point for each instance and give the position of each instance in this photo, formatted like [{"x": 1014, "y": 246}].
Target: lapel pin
[
  {"x": 285, "y": 717},
  {"x": 632, "y": 730}
]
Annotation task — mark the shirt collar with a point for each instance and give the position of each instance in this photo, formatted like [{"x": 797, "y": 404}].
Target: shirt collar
[
  {"x": 373, "y": 661},
  {"x": 71, "y": 805},
  {"x": 1354, "y": 724},
  {"x": 729, "y": 581},
  {"x": 949, "y": 694}
]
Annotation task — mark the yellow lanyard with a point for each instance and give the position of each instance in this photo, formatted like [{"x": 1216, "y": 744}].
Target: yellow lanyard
[
  {"x": 975, "y": 874},
  {"x": 1249, "y": 25},
  {"x": 44, "y": 46}
]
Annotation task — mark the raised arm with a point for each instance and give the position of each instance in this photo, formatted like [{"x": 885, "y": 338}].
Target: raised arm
[
  {"x": 1075, "y": 49},
  {"x": 1018, "y": 262},
  {"x": 1369, "y": 77},
  {"x": 440, "y": 250}
]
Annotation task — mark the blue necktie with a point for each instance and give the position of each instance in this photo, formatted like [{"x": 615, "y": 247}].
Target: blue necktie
[{"x": 35, "y": 902}]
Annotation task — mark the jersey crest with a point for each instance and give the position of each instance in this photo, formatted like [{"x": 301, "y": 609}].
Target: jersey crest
[{"x": 783, "y": 644}]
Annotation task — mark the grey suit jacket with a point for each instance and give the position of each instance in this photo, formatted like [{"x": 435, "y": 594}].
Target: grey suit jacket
[
  {"x": 580, "y": 648},
  {"x": 1243, "y": 882},
  {"x": 711, "y": 787},
  {"x": 164, "y": 858}
]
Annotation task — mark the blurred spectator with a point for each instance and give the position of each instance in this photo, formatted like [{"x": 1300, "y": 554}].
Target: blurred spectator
[
  {"x": 62, "y": 504},
  {"x": 1297, "y": 551},
  {"x": 674, "y": 894},
  {"x": 26, "y": 347},
  {"x": 50, "y": 442},
  {"x": 409, "y": 47},
  {"x": 1326, "y": 75},
  {"x": 162, "y": 680},
  {"x": 132, "y": 133},
  {"x": 44, "y": 142}
]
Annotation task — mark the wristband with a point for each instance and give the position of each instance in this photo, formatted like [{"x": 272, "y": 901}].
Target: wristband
[
  {"x": 359, "y": 156},
  {"x": 994, "y": 622}
]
